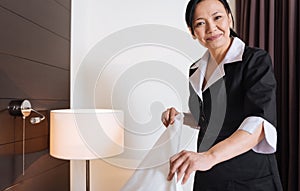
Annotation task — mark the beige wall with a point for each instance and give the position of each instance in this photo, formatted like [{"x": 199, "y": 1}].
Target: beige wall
[{"x": 232, "y": 6}]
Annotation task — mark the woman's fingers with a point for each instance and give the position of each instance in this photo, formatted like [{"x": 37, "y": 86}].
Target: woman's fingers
[
  {"x": 186, "y": 162},
  {"x": 182, "y": 170},
  {"x": 172, "y": 115},
  {"x": 187, "y": 174},
  {"x": 176, "y": 163},
  {"x": 168, "y": 116},
  {"x": 172, "y": 169},
  {"x": 165, "y": 117}
]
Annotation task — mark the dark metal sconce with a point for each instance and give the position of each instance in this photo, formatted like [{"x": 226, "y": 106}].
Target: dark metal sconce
[
  {"x": 19, "y": 108},
  {"x": 23, "y": 108}
]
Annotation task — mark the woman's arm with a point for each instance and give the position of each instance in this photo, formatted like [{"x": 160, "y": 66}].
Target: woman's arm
[
  {"x": 238, "y": 143},
  {"x": 186, "y": 162},
  {"x": 189, "y": 120},
  {"x": 168, "y": 118}
]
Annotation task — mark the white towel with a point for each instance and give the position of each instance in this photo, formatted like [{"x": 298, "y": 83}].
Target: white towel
[{"x": 155, "y": 178}]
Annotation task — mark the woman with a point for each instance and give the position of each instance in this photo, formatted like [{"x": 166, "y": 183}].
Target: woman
[{"x": 234, "y": 106}]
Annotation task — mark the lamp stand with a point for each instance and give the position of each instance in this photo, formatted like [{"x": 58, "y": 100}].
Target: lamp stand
[{"x": 87, "y": 176}]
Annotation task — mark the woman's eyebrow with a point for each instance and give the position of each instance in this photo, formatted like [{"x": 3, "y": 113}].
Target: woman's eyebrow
[{"x": 215, "y": 13}]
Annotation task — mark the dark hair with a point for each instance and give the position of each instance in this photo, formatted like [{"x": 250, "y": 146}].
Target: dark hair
[{"x": 190, "y": 11}]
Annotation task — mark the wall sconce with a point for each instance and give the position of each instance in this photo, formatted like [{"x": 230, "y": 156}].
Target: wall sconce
[
  {"x": 23, "y": 109},
  {"x": 86, "y": 134}
]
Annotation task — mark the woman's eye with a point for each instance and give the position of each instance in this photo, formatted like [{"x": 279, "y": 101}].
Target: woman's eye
[
  {"x": 199, "y": 24},
  {"x": 218, "y": 17}
]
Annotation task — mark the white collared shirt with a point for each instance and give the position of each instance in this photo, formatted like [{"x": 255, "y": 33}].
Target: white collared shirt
[{"x": 250, "y": 124}]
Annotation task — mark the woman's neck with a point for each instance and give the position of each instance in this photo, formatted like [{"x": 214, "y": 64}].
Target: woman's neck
[{"x": 219, "y": 54}]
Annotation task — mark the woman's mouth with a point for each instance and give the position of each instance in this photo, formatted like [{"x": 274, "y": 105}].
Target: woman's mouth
[{"x": 212, "y": 38}]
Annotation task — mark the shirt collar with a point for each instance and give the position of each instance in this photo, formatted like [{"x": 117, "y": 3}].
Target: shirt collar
[{"x": 234, "y": 54}]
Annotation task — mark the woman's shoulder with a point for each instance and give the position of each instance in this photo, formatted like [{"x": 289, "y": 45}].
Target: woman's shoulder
[
  {"x": 256, "y": 58},
  {"x": 254, "y": 52}
]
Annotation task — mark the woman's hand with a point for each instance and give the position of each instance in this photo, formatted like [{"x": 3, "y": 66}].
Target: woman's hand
[
  {"x": 168, "y": 116},
  {"x": 186, "y": 162}
]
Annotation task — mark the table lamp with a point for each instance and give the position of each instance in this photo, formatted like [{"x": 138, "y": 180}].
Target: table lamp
[{"x": 86, "y": 134}]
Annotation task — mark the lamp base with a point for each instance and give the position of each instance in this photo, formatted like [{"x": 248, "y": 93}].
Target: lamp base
[{"x": 87, "y": 176}]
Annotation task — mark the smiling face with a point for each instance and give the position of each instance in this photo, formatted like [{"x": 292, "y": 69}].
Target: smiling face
[{"x": 211, "y": 25}]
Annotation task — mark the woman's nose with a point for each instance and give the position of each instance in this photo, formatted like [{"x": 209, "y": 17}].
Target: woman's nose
[{"x": 210, "y": 27}]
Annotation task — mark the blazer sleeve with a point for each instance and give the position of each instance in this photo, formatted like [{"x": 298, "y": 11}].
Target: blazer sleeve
[
  {"x": 260, "y": 100},
  {"x": 260, "y": 87}
]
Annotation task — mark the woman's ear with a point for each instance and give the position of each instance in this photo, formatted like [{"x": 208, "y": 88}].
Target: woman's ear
[{"x": 230, "y": 20}]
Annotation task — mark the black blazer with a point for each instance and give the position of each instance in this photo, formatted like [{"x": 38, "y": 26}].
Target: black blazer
[{"x": 247, "y": 89}]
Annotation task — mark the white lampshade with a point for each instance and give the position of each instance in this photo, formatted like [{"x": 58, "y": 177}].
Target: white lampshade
[{"x": 84, "y": 134}]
